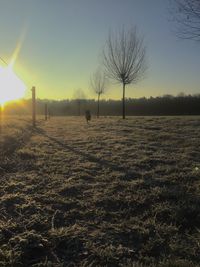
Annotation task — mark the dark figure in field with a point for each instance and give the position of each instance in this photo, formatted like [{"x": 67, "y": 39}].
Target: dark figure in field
[{"x": 87, "y": 115}]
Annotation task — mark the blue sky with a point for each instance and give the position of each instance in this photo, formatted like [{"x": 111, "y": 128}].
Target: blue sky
[{"x": 63, "y": 40}]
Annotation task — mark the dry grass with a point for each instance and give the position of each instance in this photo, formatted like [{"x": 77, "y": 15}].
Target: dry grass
[{"x": 111, "y": 193}]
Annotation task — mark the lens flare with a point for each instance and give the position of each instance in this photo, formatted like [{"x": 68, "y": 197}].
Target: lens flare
[{"x": 11, "y": 86}]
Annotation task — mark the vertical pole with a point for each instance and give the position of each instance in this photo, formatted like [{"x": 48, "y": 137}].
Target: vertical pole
[
  {"x": 79, "y": 107},
  {"x": 49, "y": 114},
  {"x": 46, "y": 111},
  {"x": 123, "y": 102},
  {"x": 98, "y": 105},
  {"x": 33, "y": 107},
  {"x": 0, "y": 118}
]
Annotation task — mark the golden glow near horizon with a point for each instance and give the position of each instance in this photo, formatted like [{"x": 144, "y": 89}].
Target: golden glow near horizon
[{"x": 11, "y": 86}]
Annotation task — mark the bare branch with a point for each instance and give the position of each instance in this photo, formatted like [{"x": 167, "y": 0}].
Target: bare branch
[
  {"x": 98, "y": 82},
  {"x": 187, "y": 16},
  {"x": 124, "y": 57}
]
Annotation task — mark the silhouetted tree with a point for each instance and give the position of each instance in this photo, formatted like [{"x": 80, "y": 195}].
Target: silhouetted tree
[
  {"x": 79, "y": 96},
  {"x": 98, "y": 83},
  {"x": 124, "y": 59},
  {"x": 187, "y": 15}
]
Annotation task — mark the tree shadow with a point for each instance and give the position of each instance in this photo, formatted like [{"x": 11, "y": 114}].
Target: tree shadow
[{"x": 89, "y": 157}]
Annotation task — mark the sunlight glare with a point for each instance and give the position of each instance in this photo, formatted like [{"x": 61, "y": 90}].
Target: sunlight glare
[{"x": 11, "y": 87}]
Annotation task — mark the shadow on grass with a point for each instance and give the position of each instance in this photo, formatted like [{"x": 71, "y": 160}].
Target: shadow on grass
[
  {"x": 150, "y": 220},
  {"x": 91, "y": 158}
]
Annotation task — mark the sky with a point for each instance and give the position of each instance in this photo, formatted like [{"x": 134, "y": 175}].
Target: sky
[{"x": 60, "y": 45}]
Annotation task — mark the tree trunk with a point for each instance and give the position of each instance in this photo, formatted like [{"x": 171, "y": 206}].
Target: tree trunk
[
  {"x": 79, "y": 108},
  {"x": 98, "y": 106},
  {"x": 123, "y": 102},
  {"x": 33, "y": 107}
]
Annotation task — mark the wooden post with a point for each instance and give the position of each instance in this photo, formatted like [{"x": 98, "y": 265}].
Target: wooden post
[
  {"x": 33, "y": 107},
  {"x": 79, "y": 107},
  {"x": 1, "y": 109},
  {"x": 46, "y": 112}
]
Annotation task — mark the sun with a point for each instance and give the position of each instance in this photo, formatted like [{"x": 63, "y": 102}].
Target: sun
[{"x": 11, "y": 86}]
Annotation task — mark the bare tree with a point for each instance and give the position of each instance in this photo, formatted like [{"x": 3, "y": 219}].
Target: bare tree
[
  {"x": 79, "y": 97},
  {"x": 187, "y": 16},
  {"x": 124, "y": 59},
  {"x": 98, "y": 83}
]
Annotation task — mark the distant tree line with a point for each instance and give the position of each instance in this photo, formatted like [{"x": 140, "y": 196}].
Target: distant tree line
[{"x": 165, "y": 105}]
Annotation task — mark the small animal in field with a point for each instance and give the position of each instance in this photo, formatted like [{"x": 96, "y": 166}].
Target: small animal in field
[{"x": 87, "y": 115}]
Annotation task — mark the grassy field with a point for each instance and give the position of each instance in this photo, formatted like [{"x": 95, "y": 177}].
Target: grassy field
[{"x": 108, "y": 193}]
